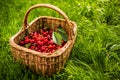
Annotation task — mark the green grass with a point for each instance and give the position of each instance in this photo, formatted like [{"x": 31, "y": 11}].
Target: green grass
[{"x": 96, "y": 53}]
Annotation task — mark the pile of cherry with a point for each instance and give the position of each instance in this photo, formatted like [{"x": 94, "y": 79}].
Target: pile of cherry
[{"x": 41, "y": 41}]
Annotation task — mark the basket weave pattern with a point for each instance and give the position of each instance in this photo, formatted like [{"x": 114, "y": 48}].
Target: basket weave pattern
[{"x": 44, "y": 63}]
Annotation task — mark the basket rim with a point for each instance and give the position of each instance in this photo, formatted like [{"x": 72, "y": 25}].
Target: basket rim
[{"x": 54, "y": 54}]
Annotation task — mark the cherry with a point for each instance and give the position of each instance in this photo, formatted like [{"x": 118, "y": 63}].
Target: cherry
[
  {"x": 39, "y": 50},
  {"x": 48, "y": 36},
  {"x": 50, "y": 32},
  {"x": 50, "y": 47},
  {"x": 32, "y": 40},
  {"x": 46, "y": 50},
  {"x": 63, "y": 42},
  {"x": 44, "y": 33},
  {"x": 32, "y": 47},
  {"x": 41, "y": 41},
  {"x": 54, "y": 46},
  {"x": 21, "y": 43},
  {"x": 53, "y": 50},
  {"x": 50, "y": 42},
  {"x": 31, "y": 34},
  {"x": 45, "y": 41},
  {"x": 35, "y": 35},
  {"x": 36, "y": 48},
  {"x": 42, "y": 38},
  {"x": 59, "y": 47},
  {"x": 38, "y": 39},
  {"x": 43, "y": 48},
  {"x": 39, "y": 35},
  {"x": 27, "y": 40}
]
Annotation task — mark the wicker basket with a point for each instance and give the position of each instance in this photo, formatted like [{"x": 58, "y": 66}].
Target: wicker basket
[{"x": 44, "y": 63}]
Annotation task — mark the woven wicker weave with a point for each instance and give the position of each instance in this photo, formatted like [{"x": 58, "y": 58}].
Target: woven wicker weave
[{"x": 44, "y": 63}]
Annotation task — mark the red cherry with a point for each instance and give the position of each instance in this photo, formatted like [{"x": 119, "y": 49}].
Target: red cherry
[
  {"x": 32, "y": 47},
  {"x": 35, "y": 36},
  {"x": 54, "y": 46},
  {"x": 26, "y": 37},
  {"x": 21, "y": 43},
  {"x": 50, "y": 42},
  {"x": 63, "y": 42},
  {"x": 40, "y": 43},
  {"x": 44, "y": 34},
  {"x": 47, "y": 32},
  {"x": 27, "y": 40},
  {"x": 52, "y": 50},
  {"x": 50, "y": 32},
  {"x": 50, "y": 47},
  {"x": 59, "y": 47},
  {"x": 38, "y": 39},
  {"x": 32, "y": 40},
  {"x": 45, "y": 41},
  {"x": 48, "y": 36},
  {"x": 42, "y": 38},
  {"x": 31, "y": 34},
  {"x": 39, "y": 35},
  {"x": 39, "y": 50},
  {"x": 46, "y": 50},
  {"x": 43, "y": 48},
  {"x": 36, "y": 48}
]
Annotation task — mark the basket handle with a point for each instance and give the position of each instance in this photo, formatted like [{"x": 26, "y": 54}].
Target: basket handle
[{"x": 46, "y": 6}]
